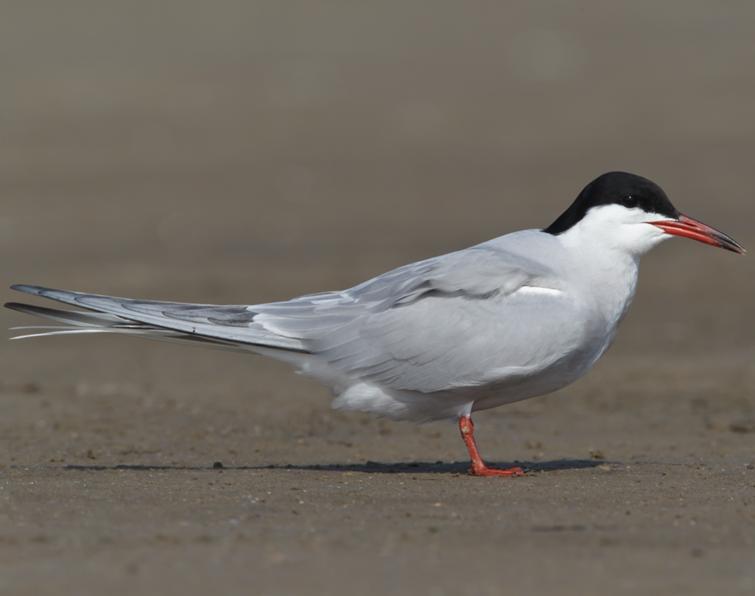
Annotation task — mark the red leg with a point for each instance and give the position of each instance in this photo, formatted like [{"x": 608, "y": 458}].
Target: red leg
[{"x": 466, "y": 427}]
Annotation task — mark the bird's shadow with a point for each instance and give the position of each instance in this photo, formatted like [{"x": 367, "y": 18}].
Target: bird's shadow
[{"x": 369, "y": 467}]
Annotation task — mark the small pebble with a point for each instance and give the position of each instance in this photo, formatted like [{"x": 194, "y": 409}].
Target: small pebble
[{"x": 742, "y": 426}]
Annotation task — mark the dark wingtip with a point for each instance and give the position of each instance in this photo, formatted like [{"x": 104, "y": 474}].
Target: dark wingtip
[
  {"x": 20, "y": 307},
  {"x": 28, "y": 289}
]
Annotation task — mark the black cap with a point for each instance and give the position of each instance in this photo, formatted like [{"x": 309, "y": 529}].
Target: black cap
[{"x": 620, "y": 188}]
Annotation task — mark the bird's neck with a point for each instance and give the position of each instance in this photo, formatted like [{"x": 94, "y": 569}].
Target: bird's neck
[{"x": 607, "y": 274}]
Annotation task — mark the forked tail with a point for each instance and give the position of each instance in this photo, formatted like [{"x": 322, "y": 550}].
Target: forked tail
[{"x": 230, "y": 327}]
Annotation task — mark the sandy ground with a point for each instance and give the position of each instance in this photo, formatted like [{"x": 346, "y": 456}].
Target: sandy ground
[{"x": 243, "y": 152}]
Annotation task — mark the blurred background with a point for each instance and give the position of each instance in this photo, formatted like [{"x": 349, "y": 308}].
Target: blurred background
[{"x": 247, "y": 151}]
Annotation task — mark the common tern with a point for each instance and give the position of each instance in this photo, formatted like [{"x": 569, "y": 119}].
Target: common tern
[{"x": 515, "y": 317}]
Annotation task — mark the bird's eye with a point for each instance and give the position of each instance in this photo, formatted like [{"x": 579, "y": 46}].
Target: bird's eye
[{"x": 630, "y": 201}]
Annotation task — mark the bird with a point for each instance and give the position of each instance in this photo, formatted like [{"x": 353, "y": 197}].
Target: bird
[{"x": 512, "y": 318}]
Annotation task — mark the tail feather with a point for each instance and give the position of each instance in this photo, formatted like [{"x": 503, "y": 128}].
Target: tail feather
[
  {"x": 85, "y": 322},
  {"x": 72, "y": 317},
  {"x": 222, "y": 325},
  {"x": 70, "y": 331}
]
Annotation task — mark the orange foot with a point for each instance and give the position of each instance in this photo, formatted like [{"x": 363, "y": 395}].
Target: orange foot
[
  {"x": 466, "y": 427},
  {"x": 487, "y": 472}
]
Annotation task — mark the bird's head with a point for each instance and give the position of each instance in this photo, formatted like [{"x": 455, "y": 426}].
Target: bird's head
[{"x": 633, "y": 214}]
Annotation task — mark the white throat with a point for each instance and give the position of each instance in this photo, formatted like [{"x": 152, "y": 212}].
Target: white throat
[{"x": 604, "y": 250}]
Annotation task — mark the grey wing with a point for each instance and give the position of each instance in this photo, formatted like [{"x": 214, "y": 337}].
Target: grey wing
[
  {"x": 440, "y": 344},
  {"x": 290, "y": 325},
  {"x": 461, "y": 320}
]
